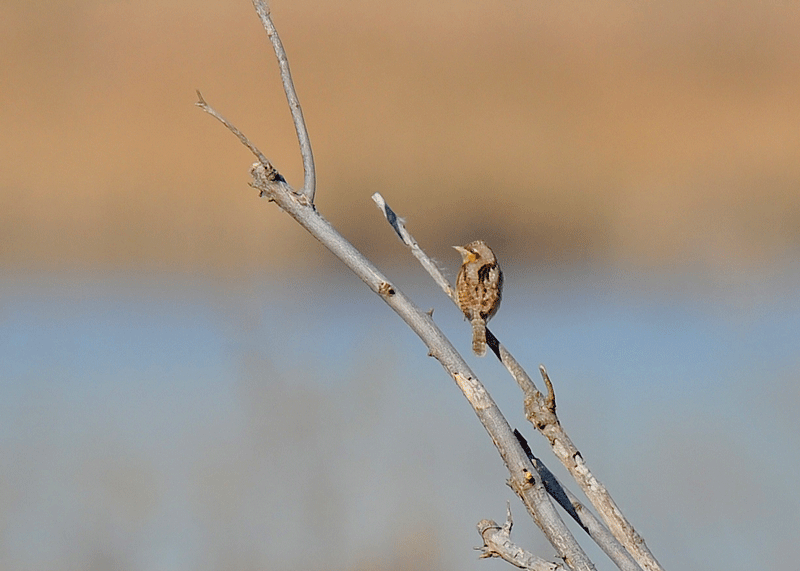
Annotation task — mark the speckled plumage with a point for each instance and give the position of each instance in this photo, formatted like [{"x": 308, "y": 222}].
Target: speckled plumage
[{"x": 480, "y": 289}]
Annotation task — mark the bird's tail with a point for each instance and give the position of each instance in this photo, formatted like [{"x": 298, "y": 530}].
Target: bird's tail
[{"x": 479, "y": 337}]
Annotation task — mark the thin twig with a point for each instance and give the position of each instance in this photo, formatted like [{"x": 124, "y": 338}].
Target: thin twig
[
  {"x": 399, "y": 226},
  {"x": 201, "y": 103},
  {"x": 310, "y": 178}
]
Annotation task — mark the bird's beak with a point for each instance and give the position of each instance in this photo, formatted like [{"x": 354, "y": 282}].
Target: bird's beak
[{"x": 465, "y": 254}]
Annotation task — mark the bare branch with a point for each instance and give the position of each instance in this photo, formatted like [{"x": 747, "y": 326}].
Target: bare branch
[
  {"x": 201, "y": 103},
  {"x": 310, "y": 180},
  {"x": 585, "y": 518},
  {"x": 541, "y": 413},
  {"x": 511, "y": 364},
  {"x": 497, "y": 543},
  {"x": 540, "y": 410},
  {"x": 430, "y": 266},
  {"x": 524, "y": 479}
]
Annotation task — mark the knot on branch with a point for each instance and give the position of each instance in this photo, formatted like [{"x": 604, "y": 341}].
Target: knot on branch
[
  {"x": 540, "y": 410},
  {"x": 538, "y": 414},
  {"x": 386, "y": 289},
  {"x": 265, "y": 176},
  {"x": 270, "y": 182}
]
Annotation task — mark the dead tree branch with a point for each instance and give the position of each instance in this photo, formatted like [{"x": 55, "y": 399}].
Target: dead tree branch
[
  {"x": 524, "y": 479},
  {"x": 299, "y": 205},
  {"x": 497, "y": 543},
  {"x": 540, "y": 410},
  {"x": 584, "y": 517}
]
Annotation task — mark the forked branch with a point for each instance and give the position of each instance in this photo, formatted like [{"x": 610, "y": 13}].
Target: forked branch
[
  {"x": 310, "y": 176},
  {"x": 524, "y": 479}
]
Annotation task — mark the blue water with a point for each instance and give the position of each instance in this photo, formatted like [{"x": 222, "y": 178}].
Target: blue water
[{"x": 165, "y": 421}]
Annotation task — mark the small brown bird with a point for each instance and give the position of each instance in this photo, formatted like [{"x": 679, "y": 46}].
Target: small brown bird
[{"x": 480, "y": 288}]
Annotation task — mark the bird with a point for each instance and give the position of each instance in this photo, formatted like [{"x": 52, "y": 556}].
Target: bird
[{"x": 479, "y": 288}]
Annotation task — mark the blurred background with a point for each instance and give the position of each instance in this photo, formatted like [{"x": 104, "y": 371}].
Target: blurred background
[{"x": 190, "y": 381}]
